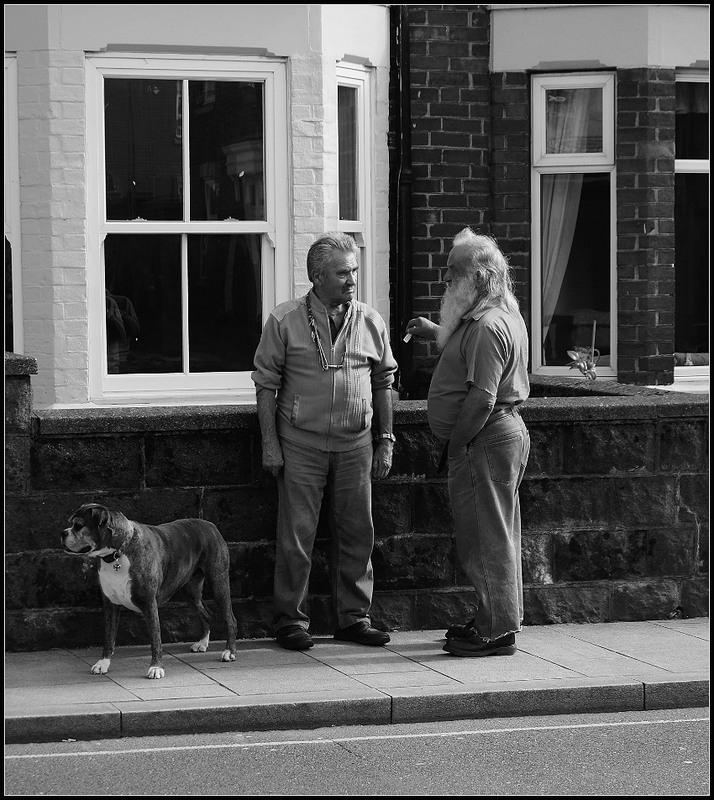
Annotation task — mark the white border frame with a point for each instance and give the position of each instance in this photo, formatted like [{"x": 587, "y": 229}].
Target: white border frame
[
  {"x": 570, "y": 163},
  {"x": 184, "y": 387}
]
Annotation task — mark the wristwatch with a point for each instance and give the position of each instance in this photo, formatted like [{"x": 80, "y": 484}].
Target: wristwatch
[{"x": 389, "y": 436}]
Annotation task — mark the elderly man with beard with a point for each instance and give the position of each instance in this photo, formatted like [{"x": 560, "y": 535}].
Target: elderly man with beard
[{"x": 479, "y": 381}]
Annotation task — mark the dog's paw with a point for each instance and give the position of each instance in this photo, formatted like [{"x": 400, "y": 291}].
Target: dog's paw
[
  {"x": 200, "y": 647},
  {"x": 155, "y": 673},
  {"x": 101, "y": 667},
  {"x": 228, "y": 656}
]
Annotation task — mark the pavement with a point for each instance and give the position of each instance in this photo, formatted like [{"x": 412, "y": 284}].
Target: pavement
[{"x": 566, "y": 668}]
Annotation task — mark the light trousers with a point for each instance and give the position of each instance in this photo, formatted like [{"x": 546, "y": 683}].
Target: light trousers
[
  {"x": 302, "y": 484},
  {"x": 483, "y": 491}
]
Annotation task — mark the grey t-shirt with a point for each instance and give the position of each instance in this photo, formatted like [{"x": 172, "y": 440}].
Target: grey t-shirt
[{"x": 489, "y": 350}]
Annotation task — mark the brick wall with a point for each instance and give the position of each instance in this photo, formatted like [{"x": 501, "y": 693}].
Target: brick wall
[
  {"x": 614, "y": 507},
  {"x": 645, "y": 225}
]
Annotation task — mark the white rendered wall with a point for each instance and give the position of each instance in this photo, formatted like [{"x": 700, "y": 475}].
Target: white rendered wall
[{"x": 52, "y": 41}]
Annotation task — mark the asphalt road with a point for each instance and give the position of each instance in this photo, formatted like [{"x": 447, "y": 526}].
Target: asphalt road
[{"x": 635, "y": 753}]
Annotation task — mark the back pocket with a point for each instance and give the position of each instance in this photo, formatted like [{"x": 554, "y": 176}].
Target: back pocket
[{"x": 504, "y": 458}]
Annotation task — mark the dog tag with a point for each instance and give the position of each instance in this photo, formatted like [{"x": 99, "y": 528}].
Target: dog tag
[{"x": 117, "y": 566}]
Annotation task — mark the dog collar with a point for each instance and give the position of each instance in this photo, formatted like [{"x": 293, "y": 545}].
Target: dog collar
[{"x": 111, "y": 558}]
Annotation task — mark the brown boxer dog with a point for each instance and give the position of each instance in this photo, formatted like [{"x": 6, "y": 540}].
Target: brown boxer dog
[{"x": 141, "y": 568}]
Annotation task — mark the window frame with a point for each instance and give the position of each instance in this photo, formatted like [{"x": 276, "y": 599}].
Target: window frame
[
  {"x": 12, "y": 198},
  {"x": 570, "y": 163},
  {"x": 359, "y": 77},
  {"x": 691, "y": 166},
  {"x": 184, "y": 387}
]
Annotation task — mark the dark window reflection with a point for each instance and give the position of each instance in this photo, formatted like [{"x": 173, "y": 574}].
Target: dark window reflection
[
  {"x": 143, "y": 300},
  {"x": 576, "y": 265},
  {"x": 143, "y": 149},
  {"x": 225, "y": 302},
  {"x": 226, "y": 138},
  {"x": 9, "y": 336},
  {"x": 347, "y": 147},
  {"x": 691, "y": 222},
  {"x": 692, "y": 120}
]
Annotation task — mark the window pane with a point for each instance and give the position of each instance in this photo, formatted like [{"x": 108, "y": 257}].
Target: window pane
[
  {"x": 691, "y": 221},
  {"x": 575, "y": 258},
  {"x": 224, "y": 279},
  {"x": 143, "y": 287},
  {"x": 574, "y": 121},
  {"x": 9, "y": 340},
  {"x": 142, "y": 121},
  {"x": 347, "y": 147},
  {"x": 226, "y": 136},
  {"x": 692, "y": 120}
]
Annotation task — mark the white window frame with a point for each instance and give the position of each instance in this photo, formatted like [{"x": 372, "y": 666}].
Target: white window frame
[
  {"x": 361, "y": 78},
  {"x": 692, "y": 166},
  {"x": 576, "y": 163},
  {"x": 184, "y": 387},
  {"x": 12, "y": 198}
]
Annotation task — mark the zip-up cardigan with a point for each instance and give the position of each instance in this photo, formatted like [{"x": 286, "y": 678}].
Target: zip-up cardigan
[{"x": 329, "y": 409}]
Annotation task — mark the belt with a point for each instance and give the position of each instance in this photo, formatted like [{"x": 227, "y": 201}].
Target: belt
[{"x": 494, "y": 416}]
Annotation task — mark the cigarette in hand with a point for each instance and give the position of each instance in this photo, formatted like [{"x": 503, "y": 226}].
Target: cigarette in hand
[{"x": 407, "y": 338}]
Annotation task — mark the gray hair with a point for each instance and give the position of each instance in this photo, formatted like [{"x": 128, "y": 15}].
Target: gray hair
[
  {"x": 482, "y": 264},
  {"x": 323, "y": 251}
]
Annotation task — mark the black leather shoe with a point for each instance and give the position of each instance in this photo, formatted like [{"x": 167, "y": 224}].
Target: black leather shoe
[
  {"x": 474, "y": 646},
  {"x": 362, "y": 633},
  {"x": 294, "y": 637},
  {"x": 461, "y": 631}
]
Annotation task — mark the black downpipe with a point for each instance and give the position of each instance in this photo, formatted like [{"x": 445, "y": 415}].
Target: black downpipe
[{"x": 403, "y": 239}]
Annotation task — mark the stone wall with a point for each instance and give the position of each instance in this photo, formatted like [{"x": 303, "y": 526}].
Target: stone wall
[{"x": 614, "y": 506}]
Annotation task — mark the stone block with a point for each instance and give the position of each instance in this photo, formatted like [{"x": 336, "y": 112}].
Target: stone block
[
  {"x": 570, "y": 503},
  {"x": 242, "y": 514},
  {"x": 546, "y": 456},
  {"x": 438, "y": 609},
  {"x": 50, "y": 578},
  {"x": 537, "y": 558},
  {"x": 643, "y": 502},
  {"x": 694, "y": 498},
  {"x": 17, "y": 463},
  {"x": 206, "y": 458},
  {"x": 598, "y": 555},
  {"x": 413, "y": 561},
  {"x": 87, "y": 463},
  {"x": 432, "y": 509},
  {"x": 605, "y": 449},
  {"x": 547, "y": 605},
  {"x": 251, "y": 570},
  {"x": 642, "y": 600},
  {"x": 683, "y": 446},
  {"x": 417, "y": 453},
  {"x": 671, "y": 551},
  {"x": 391, "y": 508}
]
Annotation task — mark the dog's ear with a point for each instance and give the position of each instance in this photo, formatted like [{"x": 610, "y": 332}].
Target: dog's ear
[{"x": 119, "y": 529}]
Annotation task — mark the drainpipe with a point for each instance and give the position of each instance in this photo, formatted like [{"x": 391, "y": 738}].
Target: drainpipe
[{"x": 403, "y": 238}]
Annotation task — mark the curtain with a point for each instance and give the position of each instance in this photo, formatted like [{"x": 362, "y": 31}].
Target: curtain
[{"x": 567, "y": 128}]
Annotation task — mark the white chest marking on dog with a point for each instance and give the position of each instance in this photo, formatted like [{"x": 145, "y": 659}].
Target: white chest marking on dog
[{"x": 116, "y": 583}]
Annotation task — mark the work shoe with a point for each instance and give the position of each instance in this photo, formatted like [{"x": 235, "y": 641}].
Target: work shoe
[
  {"x": 294, "y": 637},
  {"x": 474, "y": 646},
  {"x": 362, "y": 633},
  {"x": 461, "y": 631}
]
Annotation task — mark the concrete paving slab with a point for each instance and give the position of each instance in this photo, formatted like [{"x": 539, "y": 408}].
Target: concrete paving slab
[{"x": 284, "y": 679}]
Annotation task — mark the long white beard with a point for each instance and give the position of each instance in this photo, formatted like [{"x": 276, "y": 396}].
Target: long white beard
[{"x": 457, "y": 300}]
